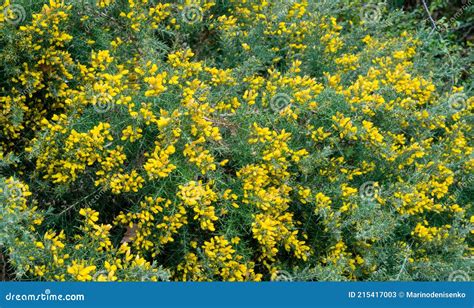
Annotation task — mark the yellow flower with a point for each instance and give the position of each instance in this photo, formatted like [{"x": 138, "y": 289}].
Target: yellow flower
[
  {"x": 90, "y": 215},
  {"x": 80, "y": 272}
]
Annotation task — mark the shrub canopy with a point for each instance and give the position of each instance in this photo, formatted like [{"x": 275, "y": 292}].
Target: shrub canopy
[{"x": 232, "y": 140}]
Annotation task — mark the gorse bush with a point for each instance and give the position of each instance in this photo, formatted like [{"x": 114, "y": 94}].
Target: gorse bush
[{"x": 232, "y": 140}]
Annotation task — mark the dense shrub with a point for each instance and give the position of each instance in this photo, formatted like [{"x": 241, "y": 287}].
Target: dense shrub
[{"x": 232, "y": 140}]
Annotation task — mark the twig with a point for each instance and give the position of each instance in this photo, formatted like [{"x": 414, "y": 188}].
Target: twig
[
  {"x": 402, "y": 269},
  {"x": 429, "y": 14}
]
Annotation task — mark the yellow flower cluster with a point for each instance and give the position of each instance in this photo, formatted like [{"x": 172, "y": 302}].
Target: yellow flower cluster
[
  {"x": 200, "y": 198},
  {"x": 158, "y": 164},
  {"x": 153, "y": 225},
  {"x": 80, "y": 271},
  {"x": 225, "y": 262},
  {"x": 45, "y": 80},
  {"x": 430, "y": 233},
  {"x": 273, "y": 226},
  {"x": 99, "y": 233},
  {"x": 221, "y": 259}
]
